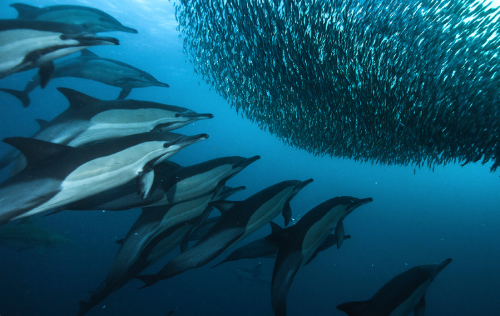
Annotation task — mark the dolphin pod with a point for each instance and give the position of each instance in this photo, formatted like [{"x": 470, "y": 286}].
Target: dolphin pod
[
  {"x": 114, "y": 155},
  {"x": 88, "y": 119},
  {"x": 238, "y": 220}
]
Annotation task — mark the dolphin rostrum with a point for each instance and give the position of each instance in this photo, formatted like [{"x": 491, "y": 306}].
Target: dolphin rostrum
[
  {"x": 92, "y": 67},
  {"x": 298, "y": 243},
  {"x": 400, "y": 296},
  {"x": 238, "y": 220},
  {"x": 89, "y": 119},
  {"x": 58, "y": 175},
  {"x": 26, "y": 45},
  {"x": 90, "y": 19}
]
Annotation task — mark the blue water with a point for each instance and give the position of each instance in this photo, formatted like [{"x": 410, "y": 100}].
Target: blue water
[{"x": 416, "y": 217}]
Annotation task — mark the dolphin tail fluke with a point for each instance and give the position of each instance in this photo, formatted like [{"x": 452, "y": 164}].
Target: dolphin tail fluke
[
  {"x": 148, "y": 279},
  {"x": 352, "y": 308},
  {"x": 20, "y": 95},
  {"x": 124, "y": 93}
]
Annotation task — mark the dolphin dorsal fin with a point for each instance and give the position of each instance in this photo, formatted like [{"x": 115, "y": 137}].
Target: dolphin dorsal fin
[
  {"x": 36, "y": 150},
  {"x": 223, "y": 206},
  {"x": 77, "y": 100},
  {"x": 120, "y": 241},
  {"x": 43, "y": 123},
  {"x": 87, "y": 53},
  {"x": 353, "y": 308},
  {"x": 275, "y": 228},
  {"x": 24, "y": 11}
]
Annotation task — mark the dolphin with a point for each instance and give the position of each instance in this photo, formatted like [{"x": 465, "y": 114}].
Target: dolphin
[
  {"x": 254, "y": 274},
  {"x": 299, "y": 242},
  {"x": 90, "y": 19},
  {"x": 203, "y": 228},
  {"x": 88, "y": 119},
  {"x": 400, "y": 296},
  {"x": 26, "y": 234},
  {"x": 238, "y": 220},
  {"x": 200, "y": 230},
  {"x": 92, "y": 67},
  {"x": 171, "y": 185},
  {"x": 26, "y": 45},
  {"x": 267, "y": 247},
  {"x": 155, "y": 233},
  {"x": 58, "y": 175}
]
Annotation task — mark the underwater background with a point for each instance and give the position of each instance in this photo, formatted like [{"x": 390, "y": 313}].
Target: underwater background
[{"x": 416, "y": 217}]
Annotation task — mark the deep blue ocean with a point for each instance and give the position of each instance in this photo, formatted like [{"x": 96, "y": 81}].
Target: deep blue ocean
[{"x": 416, "y": 217}]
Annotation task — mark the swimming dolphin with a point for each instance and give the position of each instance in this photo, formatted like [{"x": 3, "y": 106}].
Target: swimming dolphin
[
  {"x": 26, "y": 45},
  {"x": 26, "y": 235},
  {"x": 134, "y": 254},
  {"x": 58, "y": 175},
  {"x": 90, "y": 19},
  {"x": 400, "y": 296},
  {"x": 267, "y": 247},
  {"x": 92, "y": 67},
  {"x": 254, "y": 274},
  {"x": 300, "y": 241},
  {"x": 203, "y": 228},
  {"x": 88, "y": 119},
  {"x": 156, "y": 232},
  {"x": 171, "y": 185},
  {"x": 238, "y": 220}
]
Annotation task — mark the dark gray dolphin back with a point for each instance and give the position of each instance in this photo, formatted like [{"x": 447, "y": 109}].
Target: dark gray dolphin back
[{"x": 395, "y": 292}]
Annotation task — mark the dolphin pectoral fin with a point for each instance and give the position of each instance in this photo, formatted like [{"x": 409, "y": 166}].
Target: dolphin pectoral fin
[
  {"x": 286, "y": 267},
  {"x": 124, "y": 93},
  {"x": 45, "y": 72},
  {"x": 287, "y": 213},
  {"x": 146, "y": 183},
  {"x": 20, "y": 95},
  {"x": 222, "y": 205},
  {"x": 87, "y": 53},
  {"x": 339, "y": 233},
  {"x": 148, "y": 279},
  {"x": 353, "y": 308},
  {"x": 420, "y": 308}
]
